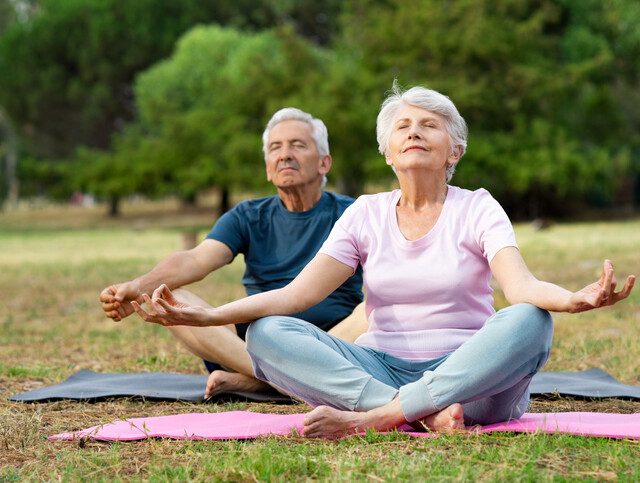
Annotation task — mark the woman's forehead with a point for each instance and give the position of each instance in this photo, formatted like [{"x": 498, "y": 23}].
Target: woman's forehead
[{"x": 409, "y": 111}]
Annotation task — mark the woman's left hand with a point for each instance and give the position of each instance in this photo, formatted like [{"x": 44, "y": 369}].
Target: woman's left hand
[
  {"x": 164, "y": 309},
  {"x": 600, "y": 293}
]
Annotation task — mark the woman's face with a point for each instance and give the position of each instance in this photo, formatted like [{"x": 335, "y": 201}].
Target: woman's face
[{"x": 419, "y": 140}]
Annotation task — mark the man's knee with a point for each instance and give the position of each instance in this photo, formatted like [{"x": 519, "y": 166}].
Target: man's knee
[{"x": 187, "y": 297}]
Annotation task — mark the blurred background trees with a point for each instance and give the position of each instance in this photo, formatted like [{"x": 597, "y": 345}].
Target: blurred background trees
[{"x": 170, "y": 98}]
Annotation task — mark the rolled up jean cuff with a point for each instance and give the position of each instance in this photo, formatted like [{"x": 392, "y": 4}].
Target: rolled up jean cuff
[
  {"x": 374, "y": 395},
  {"x": 416, "y": 402}
]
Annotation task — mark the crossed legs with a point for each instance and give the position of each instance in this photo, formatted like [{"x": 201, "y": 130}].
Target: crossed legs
[
  {"x": 218, "y": 344},
  {"x": 485, "y": 380},
  {"x": 223, "y": 346}
]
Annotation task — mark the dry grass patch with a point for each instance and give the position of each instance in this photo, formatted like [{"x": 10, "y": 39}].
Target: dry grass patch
[{"x": 51, "y": 326}]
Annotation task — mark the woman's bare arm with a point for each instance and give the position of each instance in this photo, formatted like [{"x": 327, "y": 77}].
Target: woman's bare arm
[
  {"x": 317, "y": 280},
  {"x": 519, "y": 285}
]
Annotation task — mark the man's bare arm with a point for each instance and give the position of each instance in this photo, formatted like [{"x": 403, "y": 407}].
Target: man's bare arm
[{"x": 178, "y": 269}]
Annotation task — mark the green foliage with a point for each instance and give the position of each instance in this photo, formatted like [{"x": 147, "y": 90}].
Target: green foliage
[
  {"x": 548, "y": 88},
  {"x": 345, "y": 96},
  {"x": 202, "y": 111}
]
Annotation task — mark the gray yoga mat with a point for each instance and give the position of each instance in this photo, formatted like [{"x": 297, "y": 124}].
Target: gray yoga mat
[
  {"x": 593, "y": 383},
  {"x": 91, "y": 386}
]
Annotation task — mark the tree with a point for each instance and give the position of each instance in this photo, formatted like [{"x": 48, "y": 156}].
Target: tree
[
  {"x": 539, "y": 83},
  {"x": 202, "y": 111},
  {"x": 76, "y": 89}
]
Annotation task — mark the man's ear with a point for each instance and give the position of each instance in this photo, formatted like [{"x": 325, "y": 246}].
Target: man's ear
[
  {"x": 266, "y": 168},
  {"x": 325, "y": 164}
]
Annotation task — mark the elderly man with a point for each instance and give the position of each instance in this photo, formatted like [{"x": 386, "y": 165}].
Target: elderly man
[{"x": 277, "y": 235}]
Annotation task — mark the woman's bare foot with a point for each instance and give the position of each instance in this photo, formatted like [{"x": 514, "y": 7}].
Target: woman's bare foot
[
  {"x": 326, "y": 422},
  {"x": 449, "y": 419},
  {"x": 221, "y": 381}
]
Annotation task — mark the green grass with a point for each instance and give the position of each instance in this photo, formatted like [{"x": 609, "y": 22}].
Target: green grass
[{"x": 53, "y": 264}]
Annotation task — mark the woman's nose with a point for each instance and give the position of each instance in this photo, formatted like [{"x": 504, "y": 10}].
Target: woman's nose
[{"x": 413, "y": 132}]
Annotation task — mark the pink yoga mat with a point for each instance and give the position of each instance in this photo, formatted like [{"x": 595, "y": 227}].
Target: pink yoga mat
[{"x": 246, "y": 425}]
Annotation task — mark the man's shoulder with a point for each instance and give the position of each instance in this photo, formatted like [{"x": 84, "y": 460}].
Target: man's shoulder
[
  {"x": 343, "y": 201},
  {"x": 256, "y": 204}
]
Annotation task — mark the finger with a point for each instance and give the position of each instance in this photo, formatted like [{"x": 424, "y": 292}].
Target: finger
[
  {"x": 626, "y": 290},
  {"x": 606, "y": 283},
  {"x": 596, "y": 299},
  {"x": 147, "y": 300},
  {"x": 113, "y": 315},
  {"x": 144, "y": 315},
  {"x": 168, "y": 295},
  {"x": 158, "y": 309},
  {"x": 165, "y": 306},
  {"x": 107, "y": 295},
  {"x": 147, "y": 317},
  {"x": 157, "y": 293},
  {"x": 108, "y": 307},
  {"x": 138, "y": 309},
  {"x": 120, "y": 293},
  {"x": 122, "y": 313}
]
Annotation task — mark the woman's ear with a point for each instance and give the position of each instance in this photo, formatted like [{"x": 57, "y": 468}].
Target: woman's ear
[
  {"x": 388, "y": 160},
  {"x": 454, "y": 157}
]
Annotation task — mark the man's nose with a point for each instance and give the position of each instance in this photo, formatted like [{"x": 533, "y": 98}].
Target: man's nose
[{"x": 285, "y": 153}]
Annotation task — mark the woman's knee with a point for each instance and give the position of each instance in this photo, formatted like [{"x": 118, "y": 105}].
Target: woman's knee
[
  {"x": 531, "y": 324},
  {"x": 268, "y": 333}
]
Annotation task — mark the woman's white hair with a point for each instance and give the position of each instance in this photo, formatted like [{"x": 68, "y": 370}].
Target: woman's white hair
[
  {"x": 431, "y": 101},
  {"x": 319, "y": 131}
]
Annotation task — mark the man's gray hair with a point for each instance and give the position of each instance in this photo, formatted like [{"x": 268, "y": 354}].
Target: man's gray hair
[
  {"x": 426, "y": 99},
  {"x": 318, "y": 129}
]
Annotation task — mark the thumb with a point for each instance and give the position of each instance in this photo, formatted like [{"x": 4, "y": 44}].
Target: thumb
[{"x": 125, "y": 291}]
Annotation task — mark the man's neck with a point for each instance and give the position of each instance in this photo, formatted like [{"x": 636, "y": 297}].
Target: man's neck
[{"x": 296, "y": 199}]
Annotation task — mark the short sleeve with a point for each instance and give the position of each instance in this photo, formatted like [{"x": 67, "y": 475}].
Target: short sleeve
[
  {"x": 493, "y": 228},
  {"x": 229, "y": 229},
  {"x": 342, "y": 242}
]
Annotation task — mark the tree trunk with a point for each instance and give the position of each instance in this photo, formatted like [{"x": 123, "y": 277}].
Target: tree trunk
[
  {"x": 225, "y": 200},
  {"x": 114, "y": 206},
  {"x": 351, "y": 185},
  {"x": 189, "y": 201},
  {"x": 11, "y": 161}
]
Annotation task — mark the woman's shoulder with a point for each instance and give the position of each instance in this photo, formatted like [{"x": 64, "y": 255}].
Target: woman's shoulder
[
  {"x": 370, "y": 205},
  {"x": 471, "y": 195},
  {"x": 478, "y": 198},
  {"x": 375, "y": 199}
]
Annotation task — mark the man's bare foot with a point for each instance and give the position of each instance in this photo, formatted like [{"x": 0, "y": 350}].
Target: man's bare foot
[
  {"x": 326, "y": 422},
  {"x": 449, "y": 419},
  {"x": 221, "y": 381}
]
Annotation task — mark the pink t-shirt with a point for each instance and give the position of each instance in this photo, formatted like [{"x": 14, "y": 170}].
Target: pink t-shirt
[{"x": 426, "y": 297}]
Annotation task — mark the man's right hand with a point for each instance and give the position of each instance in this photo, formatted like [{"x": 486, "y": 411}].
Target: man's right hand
[{"x": 116, "y": 300}]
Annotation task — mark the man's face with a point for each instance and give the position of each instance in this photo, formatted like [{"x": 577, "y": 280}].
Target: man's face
[{"x": 292, "y": 156}]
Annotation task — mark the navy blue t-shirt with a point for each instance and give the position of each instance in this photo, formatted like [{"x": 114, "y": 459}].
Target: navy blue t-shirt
[{"x": 277, "y": 244}]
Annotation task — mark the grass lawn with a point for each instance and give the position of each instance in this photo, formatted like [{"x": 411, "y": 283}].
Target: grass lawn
[{"x": 54, "y": 262}]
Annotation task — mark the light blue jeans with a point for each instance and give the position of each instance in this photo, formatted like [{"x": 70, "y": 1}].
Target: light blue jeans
[{"x": 489, "y": 374}]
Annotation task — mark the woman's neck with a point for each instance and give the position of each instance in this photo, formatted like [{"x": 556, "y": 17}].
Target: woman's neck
[{"x": 421, "y": 192}]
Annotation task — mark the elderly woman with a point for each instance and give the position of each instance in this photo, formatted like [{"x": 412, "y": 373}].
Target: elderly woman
[{"x": 436, "y": 353}]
